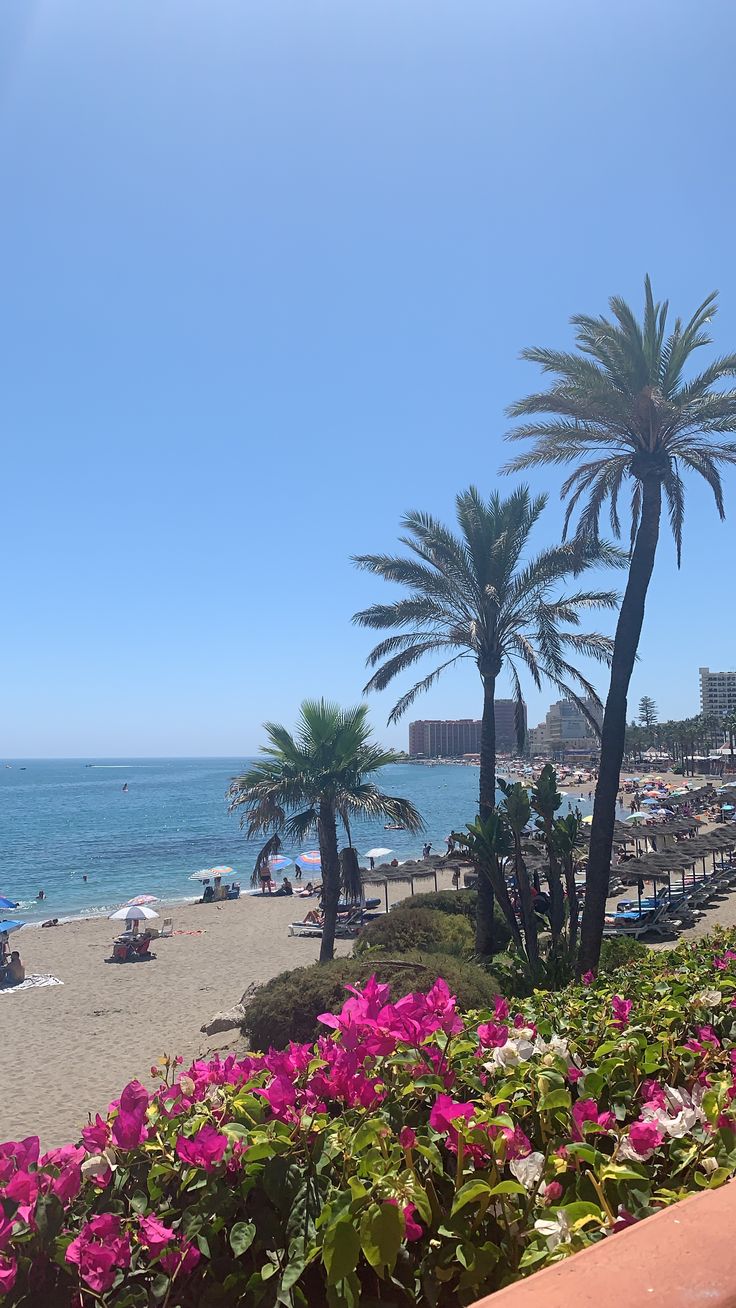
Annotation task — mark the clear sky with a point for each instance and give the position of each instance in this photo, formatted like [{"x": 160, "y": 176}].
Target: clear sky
[{"x": 267, "y": 266}]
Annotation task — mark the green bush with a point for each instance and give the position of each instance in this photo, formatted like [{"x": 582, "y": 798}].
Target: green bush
[
  {"x": 288, "y": 1006},
  {"x": 457, "y": 902},
  {"x": 460, "y": 903},
  {"x": 417, "y": 928},
  {"x": 619, "y": 952}
]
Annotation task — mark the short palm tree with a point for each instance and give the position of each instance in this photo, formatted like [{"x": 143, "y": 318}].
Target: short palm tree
[
  {"x": 621, "y": 409},
  {"x": 474, "y": 595},
  {"x": 310, "y": 781},
  {"x": 545, "y": 800},
  {"x": 517, "y": 810}
]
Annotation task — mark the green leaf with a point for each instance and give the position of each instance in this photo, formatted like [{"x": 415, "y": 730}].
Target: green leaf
[
  {"x": 555, "y": 1099},
  {"x": 469, "y": 1193},
  {"x": 242, "y": 1236},
  {"x": 340, "y": 1250},
  {"x": 381, "y": 1233},
  {"x": 508, "y": 1187}
]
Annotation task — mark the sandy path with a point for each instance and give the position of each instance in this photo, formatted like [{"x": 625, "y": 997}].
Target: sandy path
[{"x": 70, "y": 1049}]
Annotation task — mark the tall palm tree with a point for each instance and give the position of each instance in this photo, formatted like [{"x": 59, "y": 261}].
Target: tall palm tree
[
  {"x": 310, "y": 781},
  {"x": 474, "y": 595},
  {"x": 623, "y": 411}
]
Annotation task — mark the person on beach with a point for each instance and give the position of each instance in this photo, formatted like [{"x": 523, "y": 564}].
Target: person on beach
[
  {"x": 265, "y": 875},
  {"x": 285, "y": 888},
  {"x": 426, "y": 849},
  {"x": 297, "y": 872},
  {"x": 41, "y": 894},
  {"x": 16, "y": 972},
  {"x": 371, "y": 863}
]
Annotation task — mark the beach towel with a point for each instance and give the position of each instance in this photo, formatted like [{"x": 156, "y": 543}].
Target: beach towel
[{"x": 31, "y": 983}]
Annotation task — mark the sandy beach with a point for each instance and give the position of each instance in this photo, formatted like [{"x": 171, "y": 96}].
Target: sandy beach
[{"x": 70, "y": 1049}]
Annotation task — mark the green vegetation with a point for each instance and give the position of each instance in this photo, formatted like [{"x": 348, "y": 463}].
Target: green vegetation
[{"x": 417, "y": 928}]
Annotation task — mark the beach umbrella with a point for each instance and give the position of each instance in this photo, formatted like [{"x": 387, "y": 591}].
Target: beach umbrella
[
  {"x": 8, "y": 926},
  {"x": 312, "y": 858},
  {"x": 380, "y": 852},
  {"x": 588, "y": 821},
  {"x": 142, "y": 899},
  {"x": 729, "y": 807},
  {"x": 212, "y": 873},
  {"x": 132, "y": 913},
  {"x": 635, "y": 817},
  {"x": 7, "y": 903},
  {"x": 276, "y": 863}
]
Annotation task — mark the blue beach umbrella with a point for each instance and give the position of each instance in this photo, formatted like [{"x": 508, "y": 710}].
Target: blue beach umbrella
[
  {"x": 9, "y": 926},
  {"x": 7, "y": 903}
]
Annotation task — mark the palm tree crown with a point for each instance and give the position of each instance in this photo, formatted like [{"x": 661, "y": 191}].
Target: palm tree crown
[
  {"x": 472, "y": 596},
  {"x": 330, "y": 758},
  {"x": 624, "y": 402}
]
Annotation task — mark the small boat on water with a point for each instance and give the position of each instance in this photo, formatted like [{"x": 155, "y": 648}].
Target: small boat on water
[
  {"x": 393, "y": 826},
  {"x": 125, "y": 788}
]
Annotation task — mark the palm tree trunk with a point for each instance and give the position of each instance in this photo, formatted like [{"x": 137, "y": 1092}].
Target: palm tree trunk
[
  {"x": 628, "y": 631},
  {"x": 527, "y": 908},
  {"x": 484, "y": 911},
  {"x": 327, "y": 829},
  {"x": 554, "y": 880},
  {"x": 572, "y": 905}
]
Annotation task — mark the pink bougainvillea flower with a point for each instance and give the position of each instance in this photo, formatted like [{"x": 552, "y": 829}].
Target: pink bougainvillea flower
[
  {"x": 621, "y": 1011},
  {"x": 8, "y": 1273},
  {"x": 500, "y": 1008},
  {"x": 153, "y": 1235},
  {"x": 68, "y": 1183},
  {"x": 66, "y": 1154},
  {"x": 722, "y": 962},
  {"x": 96, "y": 1136},
  {"x": 99, "y": 1250},
  {"x": 182, "y": 1259},
  {"x": 652, "y": 1093},
  {"x": 18, "y": 1155},
  {"x": 280, "y": 1095},
  {"x": 588, "y": 978},
  {"x": 642, "y": 1140},
  {"x": 205, "y": 1149},
  {"x": 517, "y": 1144},
  {"x": 551, "y": 1193},
  {"x": 412, "y": 1228},
  {"x": 23, "y": 1188},
  {"x": 492, "y": 1036},
  {"x": 407, "y": 1137},
  {"x": 129, "y": 1127},
  {"x": 446, "y": 1111},
  {"x": 586, "y": 1110},
  {"x": 574, "y": 1074}
]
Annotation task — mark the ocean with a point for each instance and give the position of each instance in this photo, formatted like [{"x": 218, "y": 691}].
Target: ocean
[{"x": 61, "y": 820}]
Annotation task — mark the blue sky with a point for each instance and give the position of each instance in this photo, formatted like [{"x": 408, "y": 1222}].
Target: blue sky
[{"x": 267, "y": 270}]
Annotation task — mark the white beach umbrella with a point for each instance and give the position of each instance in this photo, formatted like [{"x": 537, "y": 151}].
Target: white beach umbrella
[
  {"x": 377, "y": 853},
  {"x": 142, "y": 899},
  {"x": 212, "y": 873},
  {"x": 132, "y": 913}
]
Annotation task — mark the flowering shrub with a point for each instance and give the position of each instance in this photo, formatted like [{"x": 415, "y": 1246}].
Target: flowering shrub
[{"x": 413, "y": 1154}]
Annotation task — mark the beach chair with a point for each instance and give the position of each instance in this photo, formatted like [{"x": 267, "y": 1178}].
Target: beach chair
[
  {"x": 120, "y": 951},
  {"x": 167, "y": 929},
  {"x": 656, "y": 920}
]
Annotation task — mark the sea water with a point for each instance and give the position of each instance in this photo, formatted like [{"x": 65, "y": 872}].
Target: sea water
[{"x": 62, "y": 820}]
